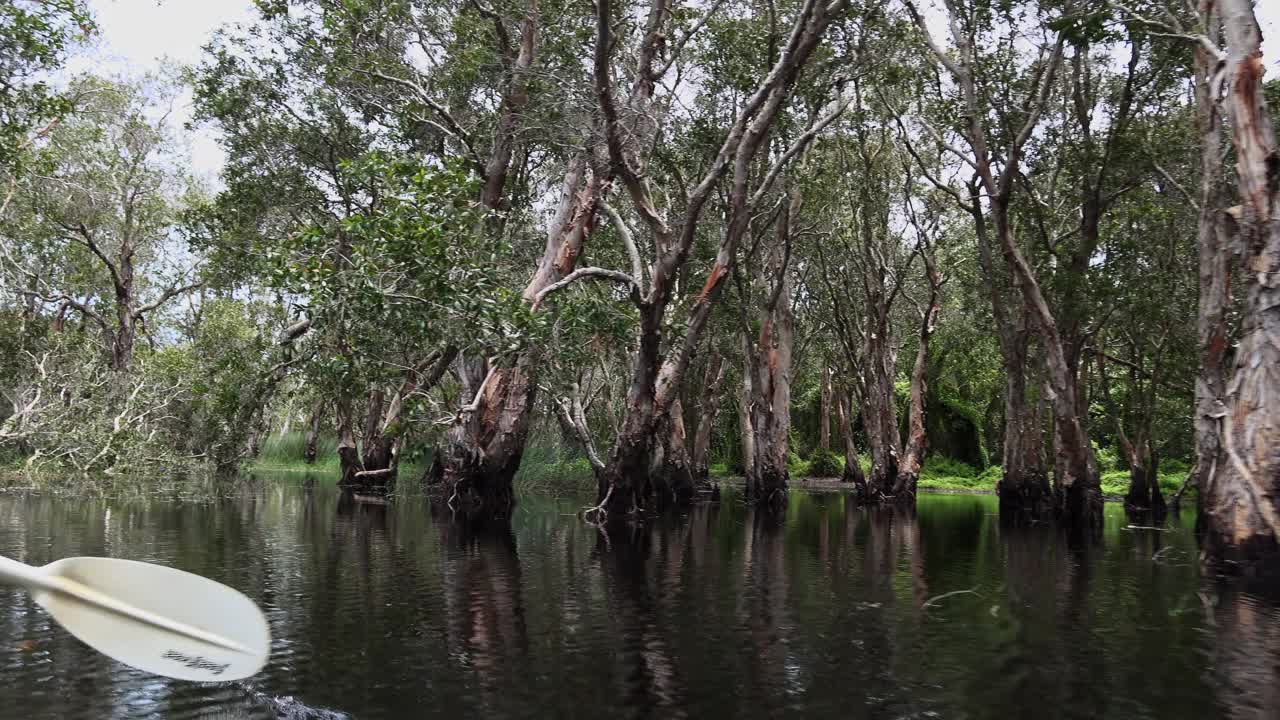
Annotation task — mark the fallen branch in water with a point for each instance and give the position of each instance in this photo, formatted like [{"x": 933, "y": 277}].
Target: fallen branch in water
[
  {"x": 1145, "y": 527},
  {"x": 933, "y": 601}
]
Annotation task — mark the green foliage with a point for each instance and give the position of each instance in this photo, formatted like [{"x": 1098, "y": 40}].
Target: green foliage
[
  {"x": 944, "y": 473},
  {"x": 1108, "y": 459},
  {"x": 34, "y": 38},
  {"x": 796, "y": 466},
  {"x": 825, "y": 464},
  {"x": 938, "y": 465}
]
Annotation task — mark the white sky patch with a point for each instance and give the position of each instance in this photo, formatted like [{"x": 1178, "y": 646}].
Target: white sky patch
[{"x": 144, "y": 36}]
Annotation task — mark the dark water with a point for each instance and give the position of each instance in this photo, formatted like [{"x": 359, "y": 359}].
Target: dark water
[{"x": 832, "y": 611}]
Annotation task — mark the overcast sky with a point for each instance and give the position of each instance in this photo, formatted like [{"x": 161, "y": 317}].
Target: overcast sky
[{"x": 138, "y": 35}]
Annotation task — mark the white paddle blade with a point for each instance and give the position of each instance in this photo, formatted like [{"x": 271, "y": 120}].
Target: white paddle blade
[{"x": 189, "y": 627}]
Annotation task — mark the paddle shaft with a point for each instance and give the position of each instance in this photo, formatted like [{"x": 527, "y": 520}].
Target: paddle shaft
[{"x": 15, "y": 573}]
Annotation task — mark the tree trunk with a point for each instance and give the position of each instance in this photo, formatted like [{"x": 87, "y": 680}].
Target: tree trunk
[
  {"x": 671, "y": 472},
  {"x": 313, "y": 433},
  {"x": 657, "y": 381},
  {"x": 880, "y": 411},
  {"x": 824, "y": 410},
  {"x": 623, "y": 485},
  {"x": 124, "y": 335},
  {"x": 371, "y": 439},
  {"x": 771, "y": 403},
  {"x": 482, "y": 451},
  {"x": 1078, "y": 500},
  {"x": 746, "y": 434},
  {"x": 1215, "y": 268},
  {"x": 1023, "y": 487},
  {"x": 1243, "y": 497},
  {"x": 904, "y": 489},
  {"x": 710, "y": 410},
  {"x": 852, "y": 468},
  {"x": 1077, "y": 493},
  {"x": 348, "y": 455}
]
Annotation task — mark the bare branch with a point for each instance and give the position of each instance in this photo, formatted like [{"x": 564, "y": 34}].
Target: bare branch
[
  {"x": 589, "y": 272},
  {"x": 628, "y": 240},
  {"x": 166, "y": 296}
]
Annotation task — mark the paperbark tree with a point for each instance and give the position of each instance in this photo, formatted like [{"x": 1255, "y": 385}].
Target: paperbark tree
[
  {"x": 1242, "y": 499},
  {"x": 769, "y": 360},
  {"x": 917, "y": 444},
  {"x": 1077, "y": 494},
  {"x": 709, "y": 409},
  {"x": 656, "y": 380}
]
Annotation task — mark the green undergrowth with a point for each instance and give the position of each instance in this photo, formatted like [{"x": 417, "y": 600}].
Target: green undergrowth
[
  {"x": 548, "y": 470},
  {"x": 286, "y": 454},
  {"x": 554, "y": 471}
]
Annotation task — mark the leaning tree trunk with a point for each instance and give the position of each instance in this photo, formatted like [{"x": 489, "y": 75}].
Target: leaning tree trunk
[
  {"x": 904, "y": 489},
  {"x": 710, "y": 410},
  {"x": 657, "y": 381},
  {"x": 482, "y": 451},
  {"x": 1077, "y": 491},
  {"x": 852, "y": 469},
  {"x": 1242, "y": 500}
]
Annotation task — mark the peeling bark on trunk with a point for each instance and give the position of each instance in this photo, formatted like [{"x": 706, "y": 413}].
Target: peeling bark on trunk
[
  {"x": 1243, "y": 496},
  {"x": 746, "y": 434},
  {"x": 1215, "y": 259},
  {"x": 671, "y": 472},
  {"x": 904, "y": 489},
  {"x": 710, "y": 410},
  {"x": 879, "y": 356},
  {"x": 1077, "y": 492},
  {"x": 771, "y": 404},
  {"x": 1024, "y": 485},
  {"x": 482, "y": 451},
  {"x": 770, "y": 363},
  {"x": 656, "y": 381},
  {"x": 1077, "y": 496}
]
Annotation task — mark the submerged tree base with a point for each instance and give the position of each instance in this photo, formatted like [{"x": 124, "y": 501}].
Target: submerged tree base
[
  {"x": 1024, "y": 501},
  {"x": 1253, "y": 558},
  {"x": 472, "y": 487},
  {"x": 1078, "y": 510}
]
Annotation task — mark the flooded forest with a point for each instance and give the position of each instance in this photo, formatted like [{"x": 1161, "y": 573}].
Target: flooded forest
[{"x": 529, "y": 356}]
